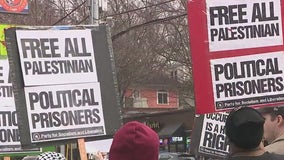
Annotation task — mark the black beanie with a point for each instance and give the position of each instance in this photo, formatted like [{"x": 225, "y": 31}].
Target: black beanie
[{"x": 244, "y": 127}]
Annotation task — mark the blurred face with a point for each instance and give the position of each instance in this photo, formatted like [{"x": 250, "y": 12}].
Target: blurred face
[{"x": 270, "y": 128}]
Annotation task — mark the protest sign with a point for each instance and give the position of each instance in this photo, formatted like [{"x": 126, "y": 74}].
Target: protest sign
[
  {"x": 248, "y": 80},
  {"x": 237, "y": 24},
  {"x": 64, "y": 84},
  {"x": 56, "y": 56},
  {"x": 208, "y": 137},
  {"x": 9, "y": 132},
  {"x": 6, "y": 90},
  {"x": 231, "y": 43},
  {"x": 63, "y": 112}
]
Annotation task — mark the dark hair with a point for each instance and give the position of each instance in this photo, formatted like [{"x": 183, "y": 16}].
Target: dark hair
[
  {"x": 244, "y": 128},
  {"x": 273, "y": 111}
]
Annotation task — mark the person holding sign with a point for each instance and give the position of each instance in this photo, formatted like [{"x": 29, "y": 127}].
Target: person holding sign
[
  {"x": 244, "y": 129},
  {"x": 100, "y": 156},
  {"x": 274, "y": 128}
]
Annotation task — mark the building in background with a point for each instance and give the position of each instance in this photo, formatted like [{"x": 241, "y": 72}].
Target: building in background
[
  {"x": 160, "y": 92},
  {"x": 157, "y": 104},
  {"x": 173, "y": 127}
]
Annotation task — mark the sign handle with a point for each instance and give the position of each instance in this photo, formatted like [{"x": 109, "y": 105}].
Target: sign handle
[{"x": 82, "y": 149}]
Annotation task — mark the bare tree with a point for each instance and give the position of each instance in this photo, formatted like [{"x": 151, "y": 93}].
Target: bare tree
[
  {"x": 148, "y": 35},
  {"x": 49, "y": 12}
]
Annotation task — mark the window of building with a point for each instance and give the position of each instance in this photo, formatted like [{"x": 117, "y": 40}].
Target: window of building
[
  {"x": 174, "y": 74},
  {"x": 163, "y": 97},
  {"x": 136, "y": 94}
]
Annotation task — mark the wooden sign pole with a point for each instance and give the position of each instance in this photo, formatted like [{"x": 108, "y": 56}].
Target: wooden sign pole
[{"x": 82, "y": 149}]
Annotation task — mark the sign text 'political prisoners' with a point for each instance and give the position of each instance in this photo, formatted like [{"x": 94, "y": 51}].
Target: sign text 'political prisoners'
[{"x": 50, "y": 101}]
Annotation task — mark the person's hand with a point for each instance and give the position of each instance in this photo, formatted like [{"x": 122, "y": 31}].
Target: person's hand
[{"x": 99, "y": 156}]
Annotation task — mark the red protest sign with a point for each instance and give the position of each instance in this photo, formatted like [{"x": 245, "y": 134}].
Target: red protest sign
[{"x": 237, "y": 53}]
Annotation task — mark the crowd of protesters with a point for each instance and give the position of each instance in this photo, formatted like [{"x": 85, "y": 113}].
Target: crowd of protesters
[{"x": 254, "y": 134}]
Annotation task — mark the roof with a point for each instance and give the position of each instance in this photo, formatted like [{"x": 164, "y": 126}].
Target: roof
[
  {"x": 157, "y": 79},
  {"x": 171, "y": 129},
  {"x": 171, "y": 121}
]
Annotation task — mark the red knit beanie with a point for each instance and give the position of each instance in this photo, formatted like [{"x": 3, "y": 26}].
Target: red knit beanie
[{"x": 135, "y": 141}]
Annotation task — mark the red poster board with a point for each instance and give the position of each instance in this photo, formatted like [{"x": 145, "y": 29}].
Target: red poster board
[{"x": 237, "y": 53}]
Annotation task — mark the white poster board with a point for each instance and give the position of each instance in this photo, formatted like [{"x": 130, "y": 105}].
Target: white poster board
[
  {"x": 243, "y": 24},
  {"x": 248, "y": 80},
  {"x": 56, "y": 56},
  {"x": 213, "y": 140}
]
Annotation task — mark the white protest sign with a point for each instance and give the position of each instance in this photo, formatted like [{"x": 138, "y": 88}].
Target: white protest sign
[
  {"x": 6, "y": 90},
  {"x": 56, "y": 56},
  {"x": 248, "y": 80},
  {"x": 64, "y": 83},
  {"x": 9, "y": 128},
  {"x": 98, "y": 145},
  {"x": 9, "y": 132},
  {"x": 239, "y": 24},
  {"x": 64, "y": 111},
  {"x": 213, "y": 140}
]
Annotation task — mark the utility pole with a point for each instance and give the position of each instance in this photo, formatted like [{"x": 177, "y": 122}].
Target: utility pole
[{"x": 94, "y": 5}]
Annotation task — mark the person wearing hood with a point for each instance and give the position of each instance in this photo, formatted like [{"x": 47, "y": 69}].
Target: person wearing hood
[{"x": 133, "y": 141}]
